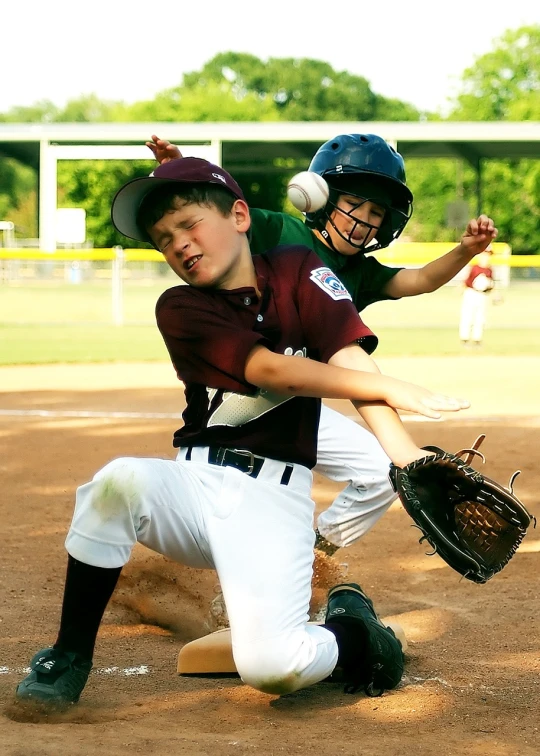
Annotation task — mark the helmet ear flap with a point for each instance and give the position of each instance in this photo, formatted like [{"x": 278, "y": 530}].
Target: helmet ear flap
[
  {"x": 391, "y": 227},
  {"x": 385, "y": 235}
]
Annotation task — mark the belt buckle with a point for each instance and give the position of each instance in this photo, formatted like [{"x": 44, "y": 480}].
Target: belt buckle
[{"x": 249, "y": 455}]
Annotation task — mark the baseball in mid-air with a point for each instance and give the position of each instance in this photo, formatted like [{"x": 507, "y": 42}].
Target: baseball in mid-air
[{"x": 308, "y": 192}]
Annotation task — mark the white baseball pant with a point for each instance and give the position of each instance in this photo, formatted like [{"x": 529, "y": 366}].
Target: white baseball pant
[
  {"x": 473, "y": 315},
  {"x": 349, "y": 452},
  {"x": 256, "y": 533}
]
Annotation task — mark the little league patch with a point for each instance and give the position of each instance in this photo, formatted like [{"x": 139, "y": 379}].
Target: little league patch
[{"x": 330, "y": 283}]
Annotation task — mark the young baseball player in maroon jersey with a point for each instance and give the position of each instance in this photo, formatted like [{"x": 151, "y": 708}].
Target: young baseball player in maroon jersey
[
  {"x": 256, "y": 341},
  {"x": 478, "y": 284},
  {"x": 369, "y": 205}
]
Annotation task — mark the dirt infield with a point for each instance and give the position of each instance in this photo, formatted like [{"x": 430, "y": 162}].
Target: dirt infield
[{"x": 471, "y": 683}]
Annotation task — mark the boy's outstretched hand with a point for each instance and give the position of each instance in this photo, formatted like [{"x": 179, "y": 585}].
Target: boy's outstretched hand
[
  {"x": 163, "y": 150},
  {"x": 412, "y": 398},
  {"x": 479, "y": 234}
]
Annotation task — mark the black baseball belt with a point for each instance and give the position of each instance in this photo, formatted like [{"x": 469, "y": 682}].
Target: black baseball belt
[{"x": 240, "y": 459}]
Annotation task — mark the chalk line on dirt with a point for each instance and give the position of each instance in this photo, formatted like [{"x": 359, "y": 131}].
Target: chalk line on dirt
[{"x": 143, "y": 669}]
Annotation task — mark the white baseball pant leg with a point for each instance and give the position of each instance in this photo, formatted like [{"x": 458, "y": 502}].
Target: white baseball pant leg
[
  {"x": 348, "y": 452},
  {"x": 473, "y": 315},
  {"x": 257, "y": 534}
]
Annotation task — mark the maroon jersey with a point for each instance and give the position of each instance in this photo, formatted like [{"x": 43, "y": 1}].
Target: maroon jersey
[
  {"x": 474, "y": 272},
  {"x": 303, "y": 310}
]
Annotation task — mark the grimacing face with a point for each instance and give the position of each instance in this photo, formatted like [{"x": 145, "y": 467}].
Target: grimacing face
[
  {"x": 356, "y": 220},
  {"x": 201, "y": 245}
]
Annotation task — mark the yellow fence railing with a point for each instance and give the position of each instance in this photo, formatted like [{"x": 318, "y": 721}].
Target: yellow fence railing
[
  {"x": 399, "y": 253},
  {"x": 72, "y": 255}
]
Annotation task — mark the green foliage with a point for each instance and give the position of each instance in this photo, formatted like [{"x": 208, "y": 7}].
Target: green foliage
[
  {"x": 504, "y": 84},
  {"x": 89, "y": 109},
  {"x": 85, "y": 109},
  {"x": 43, "y": 111},
  {"x": 300, "y": 89},
  {"x": 435, "y": 183},
  {"x": 512, "y": 196},
  {"x": 92, "y": 186},
  {"x": 211, "y": 102},
  {"x": 241, "y": 87},
  {"x": 17, "y": 182},
  {"x": 394, "y": 110}
]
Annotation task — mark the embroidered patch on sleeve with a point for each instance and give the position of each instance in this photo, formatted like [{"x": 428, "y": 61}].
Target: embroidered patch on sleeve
[{"x": 330, "y": 283}]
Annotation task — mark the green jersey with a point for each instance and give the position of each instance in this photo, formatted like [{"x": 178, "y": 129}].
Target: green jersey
[{"x": 364, "y": 277}]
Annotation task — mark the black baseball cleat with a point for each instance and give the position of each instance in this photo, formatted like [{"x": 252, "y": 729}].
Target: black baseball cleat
[
  {"x": 379, "y": 663},
  {"x": 57, "y": 678}
]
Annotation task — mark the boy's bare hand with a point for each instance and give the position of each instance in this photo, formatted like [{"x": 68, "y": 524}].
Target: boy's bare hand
[
  {"x": 479, "y": 234},
  {"x": 163, "y": 150},
  {"x": 412, "y": 398}
]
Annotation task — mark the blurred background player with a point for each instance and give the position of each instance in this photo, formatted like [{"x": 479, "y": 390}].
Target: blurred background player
[
  {"x": 368, "y": 207},
  {"x": 478, "y": 284}
]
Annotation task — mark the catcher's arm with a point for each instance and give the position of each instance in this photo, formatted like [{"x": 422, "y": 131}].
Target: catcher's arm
[
  {"x": 409, "y": 282},
  {"x": 163, "y": 150}
]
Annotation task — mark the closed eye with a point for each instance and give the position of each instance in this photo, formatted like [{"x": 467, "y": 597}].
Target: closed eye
[
  {"x": 373, "y": 209},
  {"x": 189, "y": 223}
]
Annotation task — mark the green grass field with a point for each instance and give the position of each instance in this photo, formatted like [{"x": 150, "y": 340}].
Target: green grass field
[
  {"x": 90, "y": 304},
  {"x": 44, "y": 323}
]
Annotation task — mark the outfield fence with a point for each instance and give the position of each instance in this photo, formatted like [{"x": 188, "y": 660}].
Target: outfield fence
[{"x": 120, "y": 286}]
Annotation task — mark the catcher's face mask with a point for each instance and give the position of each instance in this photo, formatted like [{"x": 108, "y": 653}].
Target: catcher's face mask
[{"x": 354, "y": 218}]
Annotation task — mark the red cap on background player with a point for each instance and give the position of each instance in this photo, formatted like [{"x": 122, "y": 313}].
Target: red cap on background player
[{"x": 188, "y": 170}]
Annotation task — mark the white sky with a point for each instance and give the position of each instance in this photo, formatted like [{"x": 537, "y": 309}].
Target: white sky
[{"x": 414, "y": 50}]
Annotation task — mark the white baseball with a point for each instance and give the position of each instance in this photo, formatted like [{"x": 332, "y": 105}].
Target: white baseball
[{"x": 308, "y": 192}]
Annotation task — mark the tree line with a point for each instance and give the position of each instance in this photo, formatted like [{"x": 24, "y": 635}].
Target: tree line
[{"x": 501, "y": 85}]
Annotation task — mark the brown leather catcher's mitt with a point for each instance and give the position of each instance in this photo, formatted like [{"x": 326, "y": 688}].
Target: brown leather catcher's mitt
[{"x": 471, "y": 521}]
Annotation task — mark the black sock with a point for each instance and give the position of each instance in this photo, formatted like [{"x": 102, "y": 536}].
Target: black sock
[
  {"x": 86, "y": 595},
  {"x": 348, "y": 642}
]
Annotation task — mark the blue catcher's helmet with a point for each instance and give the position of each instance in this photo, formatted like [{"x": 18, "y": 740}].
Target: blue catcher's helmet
[{"x": 367, "y": 167}]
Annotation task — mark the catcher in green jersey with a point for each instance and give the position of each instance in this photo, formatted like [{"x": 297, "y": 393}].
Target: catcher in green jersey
[{"x": 369, "y": 205}]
